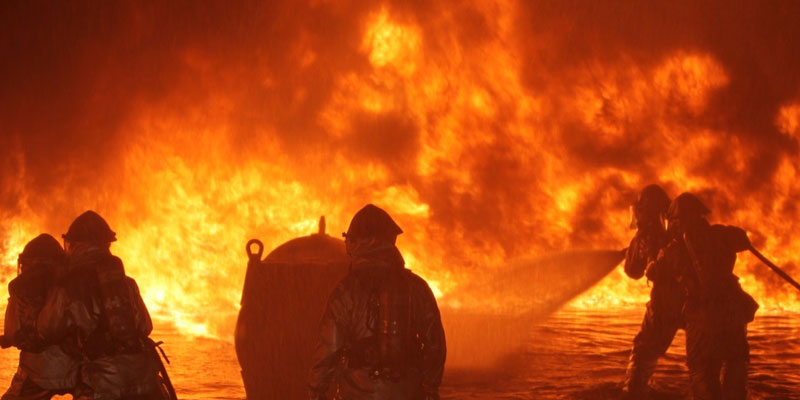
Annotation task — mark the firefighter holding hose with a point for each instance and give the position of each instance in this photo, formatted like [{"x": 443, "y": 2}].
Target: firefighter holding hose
[
  {"x": 717, "y": 310},
  {"x": 44, "y": 369},
  {"x": 381, "y": 335},
  {"x": 96, "y": 313},
  {"x": 662, "y": 317}
]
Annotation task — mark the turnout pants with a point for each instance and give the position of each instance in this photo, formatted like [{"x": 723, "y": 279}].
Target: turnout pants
[
  {"x": 718, "y": 356},
  {"x": 23, "y": 388},
  {"x": 661, "y": 322}
]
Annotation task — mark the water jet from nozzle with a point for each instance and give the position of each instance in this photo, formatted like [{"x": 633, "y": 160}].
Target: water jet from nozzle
[{"x": 487, "y": 320}]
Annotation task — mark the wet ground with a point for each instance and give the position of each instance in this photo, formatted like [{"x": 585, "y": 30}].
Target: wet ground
[
  {"x": 582, "y": 355},
  {"x": 574, "y": 354}
]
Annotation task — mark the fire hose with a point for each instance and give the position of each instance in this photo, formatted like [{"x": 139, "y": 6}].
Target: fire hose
[
  {"x": 154, "y": 348},
  {"x": 775, "y": 268},
  {"x": 766, "y": 262}
]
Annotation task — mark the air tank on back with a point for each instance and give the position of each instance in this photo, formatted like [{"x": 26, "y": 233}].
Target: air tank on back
[{"x": 283, "y": 300}]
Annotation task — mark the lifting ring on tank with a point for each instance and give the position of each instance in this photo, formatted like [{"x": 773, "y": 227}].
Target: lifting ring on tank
[{"x": 257, "y": 255}]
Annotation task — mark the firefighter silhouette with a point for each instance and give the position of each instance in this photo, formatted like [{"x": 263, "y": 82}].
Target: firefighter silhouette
[{"x": 381, "y": 334}]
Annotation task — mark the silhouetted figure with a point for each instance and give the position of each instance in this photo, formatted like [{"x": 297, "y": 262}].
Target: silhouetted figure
[
  {"x": 663, "y": 317},
  {"x": 97, "y": 313},
  {"x": 381, "y": 335},
  {"x": 717, "y": 310},
  {"x": 44, "y": 369}
]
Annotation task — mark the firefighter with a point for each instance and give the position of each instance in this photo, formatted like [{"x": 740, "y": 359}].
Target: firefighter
[
  {"x": 662, "y": 317},
  {"x": 716, "y": 310},
  {"x": 381, "y": 334},
  {"x": 44, "y": 370},
  {"x": 96, "y": 312}
]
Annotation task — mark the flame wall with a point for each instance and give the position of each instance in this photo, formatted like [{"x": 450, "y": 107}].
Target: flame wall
[{"x": 491, "y": 130}]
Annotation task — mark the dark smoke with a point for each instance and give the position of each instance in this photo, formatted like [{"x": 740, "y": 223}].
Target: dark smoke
[{"x": 756, "y": 45}]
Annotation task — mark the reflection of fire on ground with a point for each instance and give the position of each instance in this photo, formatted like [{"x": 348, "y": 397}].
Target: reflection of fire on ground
[{"x": 491, "y": 130}]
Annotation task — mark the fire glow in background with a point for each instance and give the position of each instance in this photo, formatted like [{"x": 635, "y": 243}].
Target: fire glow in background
[{"x": 490, "y": 130}]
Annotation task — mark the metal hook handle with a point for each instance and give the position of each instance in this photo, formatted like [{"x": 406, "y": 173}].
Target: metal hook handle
[{"x": 254, "y": 256}]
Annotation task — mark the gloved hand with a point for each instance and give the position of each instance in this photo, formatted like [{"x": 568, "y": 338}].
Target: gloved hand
[
  {"x": 652, "y": 271},
  {"x": 737, "y": 238},
  {"x": 663, "y": 267}
]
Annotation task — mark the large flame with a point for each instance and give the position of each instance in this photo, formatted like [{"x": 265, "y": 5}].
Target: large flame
[{"x": 491, "y": 131}]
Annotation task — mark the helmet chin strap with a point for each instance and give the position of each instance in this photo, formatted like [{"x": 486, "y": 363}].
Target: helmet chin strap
[
  {"x": 366, "y": 246},
  {"x": 77, "y": 249},
  {"x": 356, "y": 247}
]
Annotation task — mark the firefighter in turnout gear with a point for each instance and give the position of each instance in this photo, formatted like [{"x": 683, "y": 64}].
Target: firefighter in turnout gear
[
  {"x": 381, "y": 335},
  {"x": 96, "y": 313},
  {"x": 717, "y": 310},
  {"x": 662, "y": 317},
  {"x": 44, "y": 369}
]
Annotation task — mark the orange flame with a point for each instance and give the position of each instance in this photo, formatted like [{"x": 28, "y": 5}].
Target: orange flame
[{"x": 430, "y": 130}]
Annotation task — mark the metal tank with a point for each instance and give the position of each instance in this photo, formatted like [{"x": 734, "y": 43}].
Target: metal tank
[{"x": 283, "y": 300}]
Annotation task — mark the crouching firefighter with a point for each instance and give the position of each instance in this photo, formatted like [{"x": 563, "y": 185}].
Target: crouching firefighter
[
  {"x": 381, "y": 335},
  {"x": 663, "y": 316},
  {"x": 97, "y": 313},
  {"x": 44, "y": 369}
]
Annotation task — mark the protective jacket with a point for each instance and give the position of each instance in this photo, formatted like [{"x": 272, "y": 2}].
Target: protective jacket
[
  {"x": 381, "y": 335},
  {"x": 644, "y": 248},
  {"x": 46, "y": 366},
  {"x": 717, "y": 310},
  {"x": 97, "y": 313},
  {"x": 703, "y": 258},
  {"x": 663, "y": 316}
]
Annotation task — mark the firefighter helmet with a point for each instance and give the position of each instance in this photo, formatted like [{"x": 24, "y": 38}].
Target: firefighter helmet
[
  {"x": 653, "y": 198},
  {"x": 372, "y": 221},
  {"x": 90, "y": 227},
  {"x": 687, "y": 206},
  {"x": 43, "y": 246},
  {"x": 651, "y": 205},
  {"x": 43, "y": 249}
]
